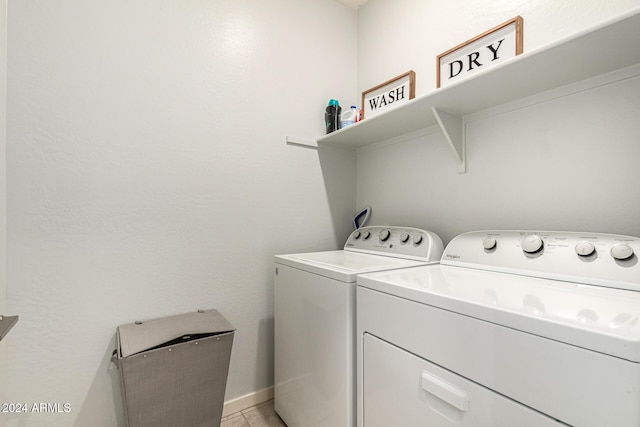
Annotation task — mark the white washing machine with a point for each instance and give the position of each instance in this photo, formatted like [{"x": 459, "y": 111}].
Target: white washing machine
[
  {"x": 315, "y": 320},
  {"x": 511, "y": 329}
]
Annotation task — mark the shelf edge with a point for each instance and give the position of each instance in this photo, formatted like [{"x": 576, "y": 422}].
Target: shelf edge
[{"x": 305, "y": 142}]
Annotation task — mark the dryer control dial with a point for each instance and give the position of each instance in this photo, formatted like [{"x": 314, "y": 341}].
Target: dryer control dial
[
  {"x": 585, "y": 248},
  {"x": 404, "y": 237},
  {"x": 489, "y": 242},
  {"x": 366, "y": 235},
  {"x": 417, "y": 239},
  {"x": 384, "y": 235},
  {"x": 532, "y": 243},
  {"x": 621, "y": 251}
]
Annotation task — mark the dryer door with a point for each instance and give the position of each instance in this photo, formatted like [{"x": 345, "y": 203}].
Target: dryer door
[{"x": 401, "y": 389}]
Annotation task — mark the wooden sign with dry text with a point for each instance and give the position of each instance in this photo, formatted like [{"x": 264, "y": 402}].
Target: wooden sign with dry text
[{"x": 481, "y": 52}]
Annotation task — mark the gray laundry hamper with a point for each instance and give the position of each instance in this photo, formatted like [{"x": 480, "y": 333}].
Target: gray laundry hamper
[{"x": 173, "y": 370}]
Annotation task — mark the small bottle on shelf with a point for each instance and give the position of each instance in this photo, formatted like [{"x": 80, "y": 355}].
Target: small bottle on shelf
[
  {"x": 332, "y": 115},
  {"x": 349, "y": 117}
]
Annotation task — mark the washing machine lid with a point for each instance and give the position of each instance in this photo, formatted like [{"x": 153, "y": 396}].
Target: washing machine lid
[
  {"x": 343, "y": 265},
  {"x": 600, "y": 319}
]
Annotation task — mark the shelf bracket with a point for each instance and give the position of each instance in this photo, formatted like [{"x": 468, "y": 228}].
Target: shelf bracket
[
  {"x": 453, "y": 129},
  {"x": 6, "y": 323}
]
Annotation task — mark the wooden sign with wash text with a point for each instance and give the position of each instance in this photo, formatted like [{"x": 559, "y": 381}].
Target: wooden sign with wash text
[
  {"x": 481, "y": 52},
  {"x": 391, "y": 93}
]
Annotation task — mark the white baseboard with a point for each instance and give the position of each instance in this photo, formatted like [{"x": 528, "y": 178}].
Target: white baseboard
[{"x": 243, "y": 402}]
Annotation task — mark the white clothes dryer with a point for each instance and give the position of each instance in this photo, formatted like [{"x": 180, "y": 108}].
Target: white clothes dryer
[
  {"x": 315, "y": 320},
  {"x": 528, "y": 329}
]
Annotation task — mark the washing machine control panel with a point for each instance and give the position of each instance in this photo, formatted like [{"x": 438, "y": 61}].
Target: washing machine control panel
[
  {"x": 609, "y": 260},
  {"x": 405, "y": 242}
]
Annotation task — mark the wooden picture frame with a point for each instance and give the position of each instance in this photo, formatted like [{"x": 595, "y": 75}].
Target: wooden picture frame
[
  {"x": 489, "y": 48},
  {"x": 389, "y": 94}
]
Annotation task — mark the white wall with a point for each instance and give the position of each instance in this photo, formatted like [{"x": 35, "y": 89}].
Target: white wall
[
  {"x": 3, "y": 144},
  {"x": 3, "y": 187},
  {"x": 567, "y": 160},
  {"x": 148, "y": 175}
]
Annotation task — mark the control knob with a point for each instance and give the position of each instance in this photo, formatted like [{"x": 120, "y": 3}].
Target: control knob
[
  {"x": 384, "y": 235},
  {"x": 489, "y": 242},
  {"x": 404, "y": 237},
  {"x": 532, "y": 244},
  {"x": 417, "y": 239},
  {"x": 366, "y": 235},
  {"x": 356, "y": 235},
  {"x": 585, "y": 248},
  {"x": 621, "y": 251}
]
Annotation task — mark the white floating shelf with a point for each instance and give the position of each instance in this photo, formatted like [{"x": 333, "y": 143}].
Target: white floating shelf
[
  {"x": 608, "y": 47},
  {"x": 294, "y": 140}
]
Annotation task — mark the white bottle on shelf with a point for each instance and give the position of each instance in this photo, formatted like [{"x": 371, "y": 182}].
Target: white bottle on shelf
[{"x": 349, "y": 117}]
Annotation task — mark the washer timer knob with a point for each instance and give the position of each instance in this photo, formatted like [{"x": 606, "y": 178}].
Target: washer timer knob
[
  {"x": 404, "y": 237},
  {"x": 585, "y": 248},
  {"x": 621, "y": 251},
  {"x": 489, "y": 242},
  {"x": 532, "y": 244},
  {"x": 384, "y": 235},
  {"x": 417, "y": 239}
]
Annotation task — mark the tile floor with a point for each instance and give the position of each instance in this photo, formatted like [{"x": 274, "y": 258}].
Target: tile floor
[{"x": 262, "y": 415}]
